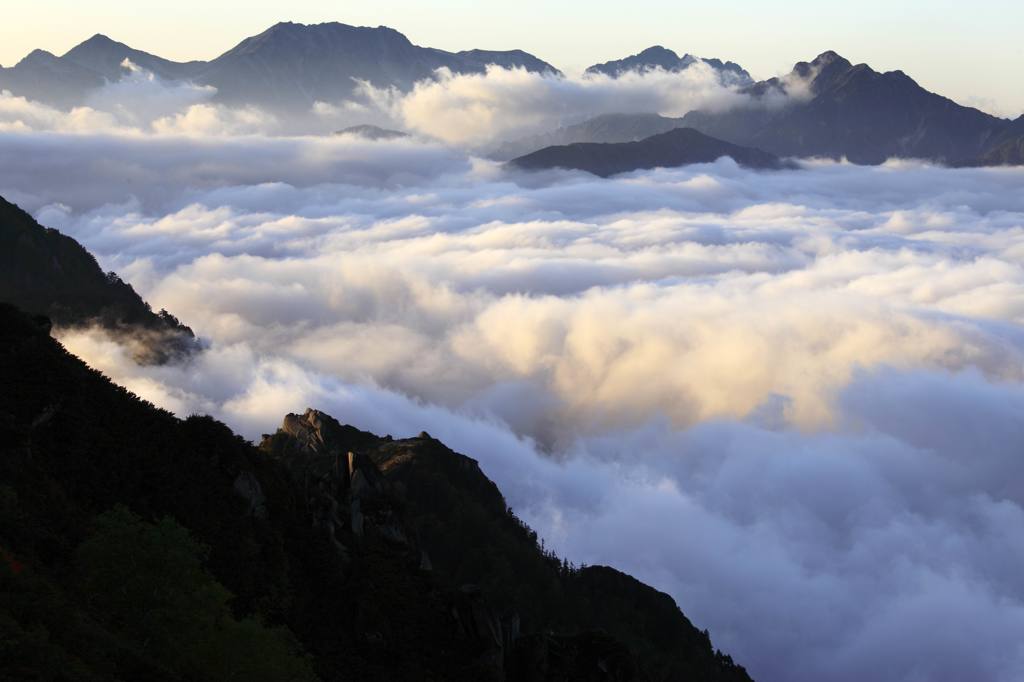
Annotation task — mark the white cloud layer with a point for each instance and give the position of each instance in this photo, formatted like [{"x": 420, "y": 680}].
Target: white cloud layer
[
  {"x": 474, "y": 109},
  {"x": 793, "y": 400}
]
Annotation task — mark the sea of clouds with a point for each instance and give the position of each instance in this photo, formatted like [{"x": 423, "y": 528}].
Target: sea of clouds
[{"x": 793, "y": 400}]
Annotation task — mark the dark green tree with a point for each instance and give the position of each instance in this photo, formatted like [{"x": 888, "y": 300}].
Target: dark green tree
[{"x": 147, "y": 581}]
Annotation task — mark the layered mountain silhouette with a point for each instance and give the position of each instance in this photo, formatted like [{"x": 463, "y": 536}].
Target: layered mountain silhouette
[
  {"x": 830, "y": 107},
  {"x": 658, "y": 57},
  {"x": 134, "y": 545},
  {"x": 47, "y": 273},
  {"x": 286, "y": 68},
  {"x": 827, "y": 107},
  {"x": 677, "y": 147},
  {"x": 604, "y": 128}
]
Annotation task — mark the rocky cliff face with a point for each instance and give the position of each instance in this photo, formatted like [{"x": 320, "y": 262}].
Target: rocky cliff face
[{"x": 530, "y": 615}]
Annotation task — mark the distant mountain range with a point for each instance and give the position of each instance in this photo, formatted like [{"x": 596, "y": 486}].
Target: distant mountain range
[
  {"x": 678, "y": 147},
  {"x": 604, "y": 128},
  {"x": 286, "y": 68},
  {"x": 826, "y": 107},
  {"x": 658, "y": 57}
]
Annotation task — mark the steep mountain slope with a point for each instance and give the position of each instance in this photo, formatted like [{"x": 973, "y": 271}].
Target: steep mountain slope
[
  {"x": 1007, "y": 149},
  {"x": 47, "y": 273},
  {"x": 286, "y": 68},
  {"x": 658, "y": 57},
  {"x": 105, "y": 57},
  {"x": 837, "y": 109},
  {"x": 364, "y": 558},
  {"x": 470, "y": 536},
  {"x": 1007, "y": 153},
  {"x": 677, "y": 147},
  {"x": 605, "y": 128}
]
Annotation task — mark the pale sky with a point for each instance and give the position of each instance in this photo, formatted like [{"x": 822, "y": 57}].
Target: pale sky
[{"x": 970, "y": 51}]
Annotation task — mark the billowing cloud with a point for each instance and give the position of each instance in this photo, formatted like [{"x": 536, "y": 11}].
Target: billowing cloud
[
  {"x": 137, "y": 103},
  {"x": 474, "y": 109},
  {"x": 139, "y": 97},
  {"x": 21, "y": 115},
  {"x": 793, "y": 400}
]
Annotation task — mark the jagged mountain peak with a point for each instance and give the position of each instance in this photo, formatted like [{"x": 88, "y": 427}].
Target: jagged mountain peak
[
  {"x": 838, "y": 109},
  {"x": 287, "y": 32},
  {"x": 95, "y": 49},
  {"x": 823, "y": 69},
  {"x": 38, "y": 57},
  {"x": 653, "y": 57},
  {"x": 659, "y": 57},
  {"x": 98, "y": 40},
  {"x": 656, "y": 51},
  {"x": 828, "y": 57}
]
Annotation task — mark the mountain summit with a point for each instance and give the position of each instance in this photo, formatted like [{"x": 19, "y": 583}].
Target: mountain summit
[
  {"x": 286, "y": 68},
  {"x": 658, "y": 57},
  {"x": 831, "y": 107}
]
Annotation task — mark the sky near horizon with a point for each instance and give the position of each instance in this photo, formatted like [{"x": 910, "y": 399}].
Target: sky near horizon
[{"x": 971, "y": 52}]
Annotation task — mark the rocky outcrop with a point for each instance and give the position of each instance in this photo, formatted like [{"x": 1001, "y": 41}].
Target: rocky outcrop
[
  {"x": 524, "y": 613},
  {"x": 247, "y": 487},
  {"x": 345, "y": 494}
]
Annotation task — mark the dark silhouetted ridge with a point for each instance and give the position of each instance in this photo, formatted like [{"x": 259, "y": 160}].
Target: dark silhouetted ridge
[
  {"x": 286, "y": 68},
  {"x": 829, "y": 107},
  {"x": 47, "y": 273},
  {"x": 677, "y": 147}
]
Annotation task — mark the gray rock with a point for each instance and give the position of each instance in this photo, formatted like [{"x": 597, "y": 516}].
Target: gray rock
[{"x": 247, "y": 486}]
